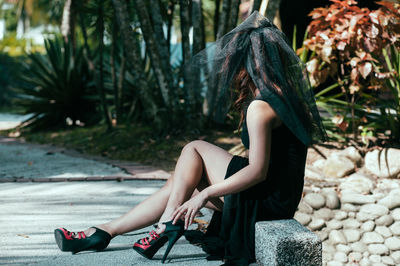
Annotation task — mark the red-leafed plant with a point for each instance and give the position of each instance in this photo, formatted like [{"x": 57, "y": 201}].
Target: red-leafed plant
[{"x": 347, "y": 43}]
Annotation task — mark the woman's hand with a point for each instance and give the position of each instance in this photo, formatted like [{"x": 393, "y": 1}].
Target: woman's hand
[{"x": 189, "y": 209}]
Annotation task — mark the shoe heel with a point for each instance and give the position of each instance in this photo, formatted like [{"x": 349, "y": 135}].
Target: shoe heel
[{"x": 171, "y": 242}]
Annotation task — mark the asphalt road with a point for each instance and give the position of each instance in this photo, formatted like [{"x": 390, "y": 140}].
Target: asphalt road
[{"x": 29, "y": 212}]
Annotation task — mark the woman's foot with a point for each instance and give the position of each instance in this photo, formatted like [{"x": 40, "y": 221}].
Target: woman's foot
[{"x": 79, "y": 241}]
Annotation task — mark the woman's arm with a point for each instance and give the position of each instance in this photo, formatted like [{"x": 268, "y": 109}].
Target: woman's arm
[{"x": 261, "y": 118}]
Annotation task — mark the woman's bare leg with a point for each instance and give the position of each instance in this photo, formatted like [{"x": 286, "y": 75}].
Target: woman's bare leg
[{"x": 198, "y": 159}]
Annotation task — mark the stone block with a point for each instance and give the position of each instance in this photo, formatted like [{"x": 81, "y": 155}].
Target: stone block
[{"x": 286, "y": 242}]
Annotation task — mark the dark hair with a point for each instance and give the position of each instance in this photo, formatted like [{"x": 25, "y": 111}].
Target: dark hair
[{"x": 243, "y": 90}]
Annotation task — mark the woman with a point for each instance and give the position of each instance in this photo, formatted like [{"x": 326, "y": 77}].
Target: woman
[{"x": 255, "y": 64}]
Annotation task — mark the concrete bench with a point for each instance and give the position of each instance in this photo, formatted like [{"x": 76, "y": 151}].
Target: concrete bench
[{"x": 286, "y": 242}]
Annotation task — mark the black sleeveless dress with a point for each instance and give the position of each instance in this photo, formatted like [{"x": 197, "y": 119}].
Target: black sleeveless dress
[{"x": 230, "y": 234}]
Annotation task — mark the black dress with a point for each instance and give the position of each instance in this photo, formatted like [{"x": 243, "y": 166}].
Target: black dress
[{"x": 230, "y": 234}]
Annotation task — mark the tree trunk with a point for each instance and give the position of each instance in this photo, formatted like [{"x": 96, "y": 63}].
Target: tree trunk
[
  {"x": 224, "y": 18},
  {"x": 233, "y": 16},
  {"x": 272, "y": 8},
  {"x": 198, "y": 26},
  {"x": 68, "y": 22},
  {"x": 113, "y": 56},
  {"x": 159, "y": 66},
  {"x": 256, "y": 5},
  {"x": 185, "y": 25},
  {"x": 132, "y": 50},
  {"x": 170, "y": 12},
  {"x": 216, "y": 17},
  {"x": 102, "y": 94}
]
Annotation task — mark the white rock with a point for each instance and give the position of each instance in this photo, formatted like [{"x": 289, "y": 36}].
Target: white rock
[
  {"x": 305, "y": 208},
  {"x": 334, "y": 224},
  {"x": 368, "y": 226},
  {"x": 384, "y": 163},
  {"x": 334, "y": 263},
  {"x": 384, "y": 220},
  {"x": 396, "y": 214},
  {"x": 352, "y": 235},
  {"x": 348, "y": 207},
  {"x": 396, "y": 257},
  {"x": 356, "y": 198},
  {"x": 323, "y": 213},
  {"x": 378, "y": 249},
  {"x": 351, "y": 223},
  {"x": 316, "y": 224},
  {"x": 340, "y": 215},
  {"x": 376, "y": 210},
  {"x": 358, "y": 247},
  {"x": 337, "y": 166},
  {"x": 362, "y": 216},
  {"x": 375, "y": 258},
  {"x": 351, "y": 214},
  {"x": 365, "y": 262},
  {"x": 395, "y": 228},
  {"x": 388, "y": 260},
  {"x": 372, "y": 238},
  {"x": 357, "y": 183},
  {"x": 337, "y": 237},
  {"x": 353, "y": 154},
  {"x": 340, "y": 256},
  {"x": 393, "y": 243},
  {"x": 323, "y": 235},
  {"x": 384, "y": 231},
  {"x": 319, "y": 164},
  {"x": 328, "y": 248},
  {"x": 332, "y": 200},
  {"x": 315, "y": 200},
  {"x": 343, "y": 248},
  {"x": 355, "y": 256},
  {"x": 302, "y": 218},
  {"x": 392, "y": 200},
  {"x": 312, "y": 173}
]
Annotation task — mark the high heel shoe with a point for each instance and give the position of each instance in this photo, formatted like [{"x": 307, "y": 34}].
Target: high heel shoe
[
  {"x": 149, "y": 246},
  {"x": 77, "y": 242}
]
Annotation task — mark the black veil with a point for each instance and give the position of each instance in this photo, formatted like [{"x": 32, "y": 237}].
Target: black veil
[{"x": 260, "y": 47}]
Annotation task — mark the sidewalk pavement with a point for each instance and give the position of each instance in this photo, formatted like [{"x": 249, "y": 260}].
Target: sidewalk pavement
[{"x": 31, "y": 211}]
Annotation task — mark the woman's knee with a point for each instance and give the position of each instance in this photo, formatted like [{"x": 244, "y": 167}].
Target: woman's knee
[{"x": 193, "y": 145}]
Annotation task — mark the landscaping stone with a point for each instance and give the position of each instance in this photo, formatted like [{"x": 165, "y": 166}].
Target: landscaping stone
[
  {"x": 375, "y": 210},
  {"x": 334, "y": 263},
  {"x": 372, "y": 238},
  {"x": 368, "y": 226},
  {"x": 323, "y": 235},
  {"x": 343, "y": 248},
  {"x": 388, "y": 260},
  {"x": 340, "y": 256},
  {"x": 332, "y": 200},
  {"x": 340, "y": 215},
  {"x": 385, "y": 220},
  {"x": 357, "y": 183},
  {"x": 365, "y": 262},
  {"x": 323, "y": 213},
  {"x": 337, "y": 166},
  {"x": 396, "y": 257},
  {"x": 358, "y": 247},
  {"x": 337, "y": 237},
  {"x": 319, "y": 164},
  {"x": 315, "y": 200},
  {"x": 392, "y": 200},
  {"x": 393, "y": 243},
  {"x": 356, "y": 198},
  {"x": 316, "y": 224},
  {"x": 286, "y": 242},
  {"x": 351, "y": 223},
  {"x": 352, "y": 235},
  {"x": 353, "y": 154},
  {"x": 378, "y": 249},
  {"x": 395, "y": 228},
  {"x": 302, "y": 218},
  {"x": 328, "y": 248},
  {"x": 305, "y": 208},
  {"x": 375, "y": 258},
  {"x": 334, "y": 224},
  {"x": 311, "y": 173},
  {"x": 383, "y": 163},
  {"x": 355, "y": 256},
  {"x": 396, "y": 214},
  {"x": 384, "y": 231}
]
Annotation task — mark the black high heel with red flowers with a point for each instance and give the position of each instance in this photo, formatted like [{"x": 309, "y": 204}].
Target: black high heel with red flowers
[
  {"x": 149, "y": 246},
  {"x": 77, "y": 242}
]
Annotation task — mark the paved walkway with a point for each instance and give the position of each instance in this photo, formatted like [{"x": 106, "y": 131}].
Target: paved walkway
[{"x": 31, "y": 211}]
